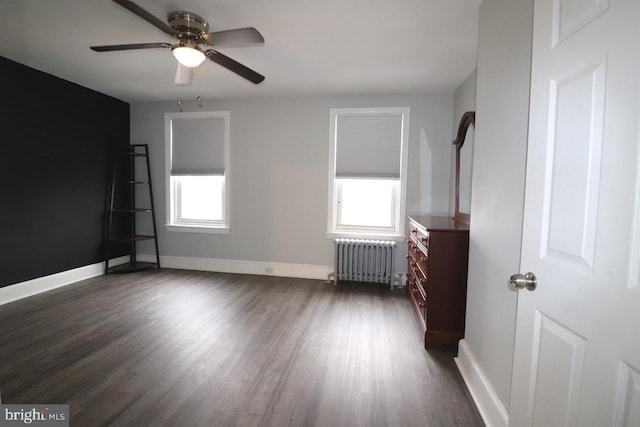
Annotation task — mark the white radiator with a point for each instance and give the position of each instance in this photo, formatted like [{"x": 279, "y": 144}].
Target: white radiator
[{"x": 365, "y": 261}]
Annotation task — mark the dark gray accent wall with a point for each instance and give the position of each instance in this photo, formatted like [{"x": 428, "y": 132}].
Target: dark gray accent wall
[{"x": 55, "y": 143}]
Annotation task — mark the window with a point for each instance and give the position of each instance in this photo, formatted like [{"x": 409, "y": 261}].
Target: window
[
  {"x": 197, "y": 160},
  {"x": 367, "y": 174}
]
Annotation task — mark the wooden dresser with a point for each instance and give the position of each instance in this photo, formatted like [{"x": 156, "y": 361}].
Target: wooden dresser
[{"x": 437, "y": 277}]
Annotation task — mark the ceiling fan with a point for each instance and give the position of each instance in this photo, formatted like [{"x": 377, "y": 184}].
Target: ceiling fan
[{"x": 194, "y": 42}]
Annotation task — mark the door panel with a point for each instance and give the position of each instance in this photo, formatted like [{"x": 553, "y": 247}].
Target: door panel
[
  {"x": 571, "y": 15},
  {"x": 558, "y": 359},
  {"x": 628, "y": 399},
  {"x": 576, "y": 108}
]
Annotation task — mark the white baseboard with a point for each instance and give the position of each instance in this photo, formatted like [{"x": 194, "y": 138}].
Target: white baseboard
[
  {"x": 492, "y": 410},
  {"x": 303, "y": 271},
  {"x": 42, "y": 284}
]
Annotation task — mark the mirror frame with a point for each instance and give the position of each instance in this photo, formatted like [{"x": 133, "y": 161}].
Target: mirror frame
[{"x": 468, "y": 119}]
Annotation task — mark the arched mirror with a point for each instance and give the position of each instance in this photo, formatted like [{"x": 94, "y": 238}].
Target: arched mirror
[{"x": 464, "y": 165}]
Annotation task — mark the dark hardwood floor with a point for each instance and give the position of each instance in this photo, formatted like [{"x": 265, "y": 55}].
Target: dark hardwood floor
[{"x": 185, "y": 348}]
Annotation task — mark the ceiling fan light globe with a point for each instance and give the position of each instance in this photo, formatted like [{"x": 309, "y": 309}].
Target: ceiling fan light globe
[{"x": 188, "y": 56}]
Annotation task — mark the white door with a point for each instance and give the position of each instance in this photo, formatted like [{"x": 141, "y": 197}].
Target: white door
[{"x": 577, "y": 350}]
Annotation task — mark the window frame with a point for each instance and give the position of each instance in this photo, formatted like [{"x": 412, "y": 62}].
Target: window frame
[
  {"x": 173, "y": 223},
  {"x": 334, "y": 229}
]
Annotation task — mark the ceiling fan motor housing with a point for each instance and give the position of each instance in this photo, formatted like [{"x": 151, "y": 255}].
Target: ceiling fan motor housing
[{"x": 189, "y": 25}]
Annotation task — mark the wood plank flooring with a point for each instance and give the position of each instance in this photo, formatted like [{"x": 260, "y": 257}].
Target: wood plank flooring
[{"x": 186, "y": 348}]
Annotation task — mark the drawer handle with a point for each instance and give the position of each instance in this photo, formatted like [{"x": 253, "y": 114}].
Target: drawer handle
[
  {"x": 413, "y": 264},
  {"x": 417, "y": 293},
  {"x": 424, "y": 240},
  {"x": 414, "y": 231}
]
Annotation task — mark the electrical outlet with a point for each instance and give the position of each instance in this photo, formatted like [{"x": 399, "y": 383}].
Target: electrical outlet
[{"x": 268, "y": 270}]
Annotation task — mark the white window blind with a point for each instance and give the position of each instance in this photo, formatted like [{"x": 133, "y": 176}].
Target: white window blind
[
  {"x": 368, "y": 145},
  {"x": 198, "y": 146}
]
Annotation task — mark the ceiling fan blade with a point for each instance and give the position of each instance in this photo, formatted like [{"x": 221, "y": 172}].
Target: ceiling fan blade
[
  {"x": 234, "y": 38},
  {"x": 137, "y": 10},
  {"x": 234, "y": 66},
  {"x": 115, "y": 47}
]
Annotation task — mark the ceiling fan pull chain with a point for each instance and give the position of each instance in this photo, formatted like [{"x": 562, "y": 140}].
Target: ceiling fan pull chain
[{"x": 199, "y": 88}]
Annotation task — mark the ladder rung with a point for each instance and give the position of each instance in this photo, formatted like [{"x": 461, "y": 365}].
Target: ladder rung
[
  {"x": 130, "y": 267},
  {"x": 132, "y": 210},
  {"x": 132, "y": 238}
]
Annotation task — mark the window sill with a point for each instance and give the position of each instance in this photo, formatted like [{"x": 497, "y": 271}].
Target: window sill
[
  {"x": 370, "y": 236},
  {"x": 197, "y": 229}
]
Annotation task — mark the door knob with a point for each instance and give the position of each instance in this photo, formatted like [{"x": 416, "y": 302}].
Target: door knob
[{"x": 519, "y": 281}]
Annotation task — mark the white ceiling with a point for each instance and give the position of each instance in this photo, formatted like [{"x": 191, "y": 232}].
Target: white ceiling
[{"x": 311, "y": 46}]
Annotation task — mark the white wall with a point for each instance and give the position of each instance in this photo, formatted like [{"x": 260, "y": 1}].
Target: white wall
[
  {"x": 279, "y": 174},
  {"x": 503, "y": 72},
  {"x": 464, "y": 99}
]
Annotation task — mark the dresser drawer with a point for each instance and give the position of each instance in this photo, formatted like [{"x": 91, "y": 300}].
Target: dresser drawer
[
  {"x": 417, "y": 299},
  {"x": 421, "y": 237}
]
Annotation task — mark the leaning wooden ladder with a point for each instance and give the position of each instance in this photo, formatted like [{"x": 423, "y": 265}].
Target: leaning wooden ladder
[{"x": 121, "y": 233}]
